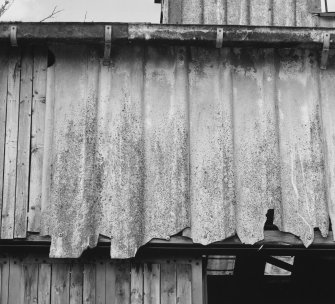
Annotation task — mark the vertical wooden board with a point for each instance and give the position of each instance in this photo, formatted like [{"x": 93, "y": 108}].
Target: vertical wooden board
[
  {"x": 261, "y": 12},
  {"x": 122, "y": 282},
  {"x": 168, "y": 283},
  {"x": 44, "y": 284},
  {"x": 284, "y": 12},
  {"x": 47, "y": 151},
  {"x": 60, "y": 284},
  {"x": 30, "y": 279},
  {"x": 110, "y": 283},
  {"x": 9, "y": 185},
  {"x": 4, "y": 281},
  {"x": 151, "y": 283},
  {"x": 184, "y": 283},
  {"x": 76, "y": 283},
  {"x": 302, "y": 161},
  {"x": 3, "y": 110},
  {"x": 89, "y": 284},
  {"x": 37, "y": 137},
  {"x": 16, "y": 282},
  {"x": 198, "y": 295},
  {"x": 136, "y": 284},
  {"x": 100, "y": 285},
  {"x": 23, "y": 149},
  {"x": 212, "y": 192}
]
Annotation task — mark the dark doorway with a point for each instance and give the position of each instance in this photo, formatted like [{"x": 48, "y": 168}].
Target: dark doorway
[{"x": 310, "y": 281}]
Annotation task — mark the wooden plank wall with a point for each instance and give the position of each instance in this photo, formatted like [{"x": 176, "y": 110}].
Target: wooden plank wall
[
  {"x": 102, "y": 281},
  {"x": 22, "y": 114}
]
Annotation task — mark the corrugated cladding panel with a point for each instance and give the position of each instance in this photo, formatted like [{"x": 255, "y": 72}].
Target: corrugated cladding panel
[
  {"x": 173, "y": 137},
  {"x": 245, "y": 12}
]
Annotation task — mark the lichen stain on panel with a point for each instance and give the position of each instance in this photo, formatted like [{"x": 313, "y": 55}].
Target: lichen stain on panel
[
  {"x": 75, "y": 210},
  {"x": 255, "y": 149},
  {"x": 302, "y": 160},
  {"x": 211, "y": 146},
  {"x": 167, "y": 138}
]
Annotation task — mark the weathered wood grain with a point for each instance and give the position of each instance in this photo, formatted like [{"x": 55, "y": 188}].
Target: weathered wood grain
[
  {"x": 151, "y": 283},
  {"x": 47, "y": 151},
  {"x": 122, "y": 282},
  {"x": 30, "y": 280},
  {"x": 12, "y": 119},
  {"x": 44, "y": 284},
  {"x": 184, "y": 283},
  {"x": 60, "y": 284},
  {"x": 23, "y": 148},
  {"x": 3, "y": 110},
  {"x": 110, "y": 282},
  {"x": 100, "y": 282},
  {"x": 89, "y": 284},
  {"x": 168, "y": 283},
  {"x": 4, "y": 281},
  {"x": 16, "y": 282},
  {"x": 76, "y": 284},
  {"x": 198, "y": 296},
  {"x": 136, "y": 284},
  {"x": 37, "y": 138}
]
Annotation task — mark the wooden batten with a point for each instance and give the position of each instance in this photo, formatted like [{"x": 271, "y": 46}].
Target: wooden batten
[
  {"x": 37, "y": 138},
  {"x": 11, "y": 144},
  {"x": 23, "y": 148},
  {"x": 3, "y": 110}
]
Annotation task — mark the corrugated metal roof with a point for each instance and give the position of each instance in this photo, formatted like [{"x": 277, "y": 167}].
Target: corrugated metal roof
[
  {"x": 173, "y": 137},
  {"x": 245, "y": 12}
]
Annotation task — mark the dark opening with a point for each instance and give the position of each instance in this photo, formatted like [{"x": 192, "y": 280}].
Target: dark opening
[
  {"x": 309, "y": 282},
  {"x": 51, "y": 58}
]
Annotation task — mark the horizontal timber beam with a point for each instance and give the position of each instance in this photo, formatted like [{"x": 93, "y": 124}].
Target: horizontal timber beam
[
  {"x": 94, "y": 33},
  {"x": 275, "y": 242}
]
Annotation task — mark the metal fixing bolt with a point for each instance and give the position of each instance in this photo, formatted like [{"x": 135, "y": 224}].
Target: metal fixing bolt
[
  {"x": 325, "y": 51},
  {"x": 219, "y": 37},
  {"x": 108, "y": 45},
  {"x": 12, "y": 36}
]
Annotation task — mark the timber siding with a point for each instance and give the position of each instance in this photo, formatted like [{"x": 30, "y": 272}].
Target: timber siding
[{"x": 38, "y": 279}]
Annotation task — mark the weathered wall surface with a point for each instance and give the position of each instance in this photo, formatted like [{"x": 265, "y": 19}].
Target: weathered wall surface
[
  {"x": 244, "y": 12},
  {"x": 163, "y": 139},
  {"x": 38, "y": 279}
]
